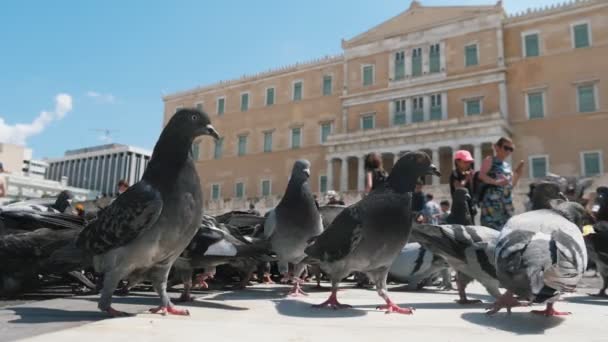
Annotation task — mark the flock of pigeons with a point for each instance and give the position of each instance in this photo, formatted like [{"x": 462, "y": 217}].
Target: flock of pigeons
[{"x": 156, "y": 232}]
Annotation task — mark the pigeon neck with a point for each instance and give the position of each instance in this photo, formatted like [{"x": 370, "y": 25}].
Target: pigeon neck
[
  {"x": 170, "y": 154},
  {"x": 297, "y": 191},
  {"x": 401, "y": 184},
  {"x": 461, "y": 213}
]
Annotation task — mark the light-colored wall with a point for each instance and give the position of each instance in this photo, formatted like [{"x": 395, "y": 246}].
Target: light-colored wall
[
  {"x": 487, "y": 50},
  {"x": 12, "y": 157}
]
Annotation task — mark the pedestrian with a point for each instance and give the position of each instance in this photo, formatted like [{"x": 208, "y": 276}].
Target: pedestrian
[
  {"x": 498, "y": 181},
  {"x": 332, "y": 198},
  {"x": 122, "y": 186},
  {"x": 3, "y": 187},
  {"x": 431, "y": 210},
  {"x": 462, "y": 177},
  {"x": 445, "y": 211},
  {"x": 374, "y": 172},
  {"x": 253, "y": 210},
  {"x": 418, "y": 201}
]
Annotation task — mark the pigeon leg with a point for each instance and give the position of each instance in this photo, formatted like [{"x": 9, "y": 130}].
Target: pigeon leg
[
  {"x": 332, "y": 301},
  {"x": 446, "y": 279},
  {"x": 266, "y": 279},
  {"x": 159, "y": 281},
  {"x": 297, "y": 281},
  {"x": 506, "y": 301},
  {"x": 550, "y": 311},
  {"x": 602, "y": 292},
  {"x": 379, "y": 278},
  {"x": 462, "y": 281},
  {"x": 110, "y": 281}
]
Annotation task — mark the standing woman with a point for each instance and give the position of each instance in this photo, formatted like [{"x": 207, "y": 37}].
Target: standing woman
[
  {"x": 374, "y": 173},
  {"x": 499, "y": 181},
  {"x": 462, "y": 177}
]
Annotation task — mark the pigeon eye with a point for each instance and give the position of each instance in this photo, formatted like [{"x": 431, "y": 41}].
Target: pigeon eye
[{"x": 194, "y": 117}]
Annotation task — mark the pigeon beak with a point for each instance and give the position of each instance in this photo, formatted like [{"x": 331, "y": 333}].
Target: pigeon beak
[
  {"x": 432, "y": 170},
  {"x": 307, "y": 172},
  {"x": 209, "y": 130}
]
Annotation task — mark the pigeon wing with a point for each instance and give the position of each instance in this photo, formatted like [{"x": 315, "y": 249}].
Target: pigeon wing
[
  {"x": 339, "y": 239},
  {"x": 121, "y": 222}
]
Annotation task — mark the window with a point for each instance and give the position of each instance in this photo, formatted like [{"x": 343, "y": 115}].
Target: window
[
  {"x": 592, "y": 163},
  {"x": 266, "y": 188},
  {"x": 434, "y": 59},
  {"x": 531, "y": 45},
  {"x": 323, "y": 184},
  {"x": 418, "y": 109},
  {"x": 269, "y": 96},
  {"x": 267, "y": 141},
  {"x": 217, "y": 151},
  {"x": 368, "y": 122},
  {"x": 536, "y": 108},
  {"x": 221, "y": 103},
  {"x": 368, "y": 75},
  {"x": 399, "y": 115},
  {"x": 296, "y": 137},
  {"x": 195, "y": 151},
  {"x": 470, "y": 55},
  {"x": 580, "y": 35},
  {"x": 244, "y": 102},
  {"x": 215, "y": 192},
  {"x": 199, "y": 106},
  {"x": 242, "y": 147},
  {"x": 297, "y": 91},
  {"x": 239, "y": 190},
  {"x": 436, "y": 109},
  {"x": 325, "y": 131},
  {"x": 472, "y": 107},
  {"x": 586, "y": 98},
  {"x": 399, "y": 65},
  {"x": 539, "y": 166},
  {"x": 327, "y": 85},
  {"x": 417, "y": 62}
]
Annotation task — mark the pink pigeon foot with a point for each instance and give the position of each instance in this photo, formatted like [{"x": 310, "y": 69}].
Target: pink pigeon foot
[
  {"x": 164, "y": 310},
  {"x": 550, "y": 311},
  {"x": 332, "y": 302},
  {"x": 391, "y": 307},
  {"x": 115, "y": 313}
]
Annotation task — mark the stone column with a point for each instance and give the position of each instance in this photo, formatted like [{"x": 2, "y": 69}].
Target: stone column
[
  {"x": 503, "y": 105},
  {"x": 437, "y": 162},
  {"x": 425, "y": 59},
  {"x": 329, "y": 173},
  {"x": 478, "y": 156},
  {"x": 407, "y": 56},
  {"x": 344, "y": 175},
  {"x": 426, "y": 107},
  {"x": 361, "y": 174}
]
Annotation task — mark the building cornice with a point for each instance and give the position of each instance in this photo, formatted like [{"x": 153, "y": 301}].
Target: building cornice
[{"x": 552, "y": 11}]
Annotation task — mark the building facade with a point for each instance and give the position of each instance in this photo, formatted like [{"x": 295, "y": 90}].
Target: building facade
[
  {"x": 437, "y": 79},
  {"x": 99, "y": 168}
]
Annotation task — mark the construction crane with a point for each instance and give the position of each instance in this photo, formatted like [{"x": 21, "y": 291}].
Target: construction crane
[{"x": 105, "y": 134}]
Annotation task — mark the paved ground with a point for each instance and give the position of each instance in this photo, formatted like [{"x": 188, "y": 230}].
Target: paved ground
[{"x": 262, "y": 313}]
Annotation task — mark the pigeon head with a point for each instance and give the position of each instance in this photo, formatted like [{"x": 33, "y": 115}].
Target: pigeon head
[
  {"x": 408, "y": 169},
  {"x": 461, "y": 195},
  {"x": 572, "y": 211},
  {"x": 301, "y": 170},
  {"x": 600, "y": 207},
  {"x": 64, "y": 200},
  {"x": 192, "y": 123},
  {"x": 543, "y": 193}
]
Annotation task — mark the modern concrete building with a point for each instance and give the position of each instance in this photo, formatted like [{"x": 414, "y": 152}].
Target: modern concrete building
[
  {"x": 100, "y": 168},
  {"x": 432, "y": 78}
]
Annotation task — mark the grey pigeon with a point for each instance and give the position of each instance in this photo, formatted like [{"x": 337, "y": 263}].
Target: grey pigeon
[
  {"x": 542, "y": 193},
  {"x": 415, "y": 265},
  {"x": 143, "y": 231},
  {"x": 370, "y": 234},
  {"x": 597, "y": 237},
  {"x": 217, "y": 244},
  {"x": 539, "y": 255},
  {"x": 293, "y": 222}
]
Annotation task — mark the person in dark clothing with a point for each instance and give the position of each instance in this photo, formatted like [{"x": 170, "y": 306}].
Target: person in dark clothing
[
  {"x": 332, "y": 198},
  {"x": 462, "y": 177},
  {"x": 374, "y": 172},
  {"x": 418, "y": 202},
  {"x": 253, "y": 211}
]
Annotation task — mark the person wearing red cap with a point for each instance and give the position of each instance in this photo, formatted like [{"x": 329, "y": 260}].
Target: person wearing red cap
[{"x": 462, "y": 176}]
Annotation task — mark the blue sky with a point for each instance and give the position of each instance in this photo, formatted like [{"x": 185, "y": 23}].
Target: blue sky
[{"x": 115, "y": 59}]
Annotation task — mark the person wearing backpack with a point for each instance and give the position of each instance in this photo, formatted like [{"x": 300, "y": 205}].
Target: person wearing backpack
[
  {"x": 374, "y": 172},
  {"x": 462, "y": 177},
  {"x": 498, "y": 179}
]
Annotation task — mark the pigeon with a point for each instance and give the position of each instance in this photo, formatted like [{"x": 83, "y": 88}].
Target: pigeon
[
  {"x": 539, "y": 255},
  {"x": 596, "y": 237},
  {"x": 145, "y": 229},
  {"x": 59, "y": 205},
  {"x": 415, "y": 265},
  {"x": 329, "y": 213},
  {"x": 217, "y": 244},
  {"x": 15, "y": 220},
  {"x": 293, "y": 222},
  {"x": 542, "y": 193},
  {"x": 369, "y": 235}
]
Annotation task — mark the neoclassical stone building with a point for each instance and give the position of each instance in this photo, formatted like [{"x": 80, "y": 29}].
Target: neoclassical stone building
[{"x": 431, "y": 78}]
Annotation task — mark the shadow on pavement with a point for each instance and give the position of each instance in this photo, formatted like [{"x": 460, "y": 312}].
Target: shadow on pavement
[
  {"x": 35, "y": 315},
  {"x": 520, "y": 323},
  {"x": 153, "y": 301},
  {"x": 587, "y": 300},
  {"x": 429, "y": 306},
  {"x": 295, "y": 308},
  {"x": 250, "y": 294}
]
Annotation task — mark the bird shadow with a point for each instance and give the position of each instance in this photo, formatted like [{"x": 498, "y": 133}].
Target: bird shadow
[
  {"x": 37, "y": 315},
  {"x": 296, "y": 308},
  {"x": 520, "y": 323},
  {"x": 587, "y": 300},
  {"x": 153, "y": 301},
  {"x": 250, "y": 294},
  {"x": 430, "y": 306}
]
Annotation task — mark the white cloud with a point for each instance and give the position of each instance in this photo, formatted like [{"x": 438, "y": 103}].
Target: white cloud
[
  {"x": 19, "y": 133},
  {"x": 101, "y": 97}
]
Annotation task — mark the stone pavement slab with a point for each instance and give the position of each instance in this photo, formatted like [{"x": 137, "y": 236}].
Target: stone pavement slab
[{"x": 262, "y": 313}]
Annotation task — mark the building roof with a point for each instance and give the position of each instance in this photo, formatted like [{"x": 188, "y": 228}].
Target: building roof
[
  {"x": 418, "y": 17},
  {"x": 98, "y": 150}
]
